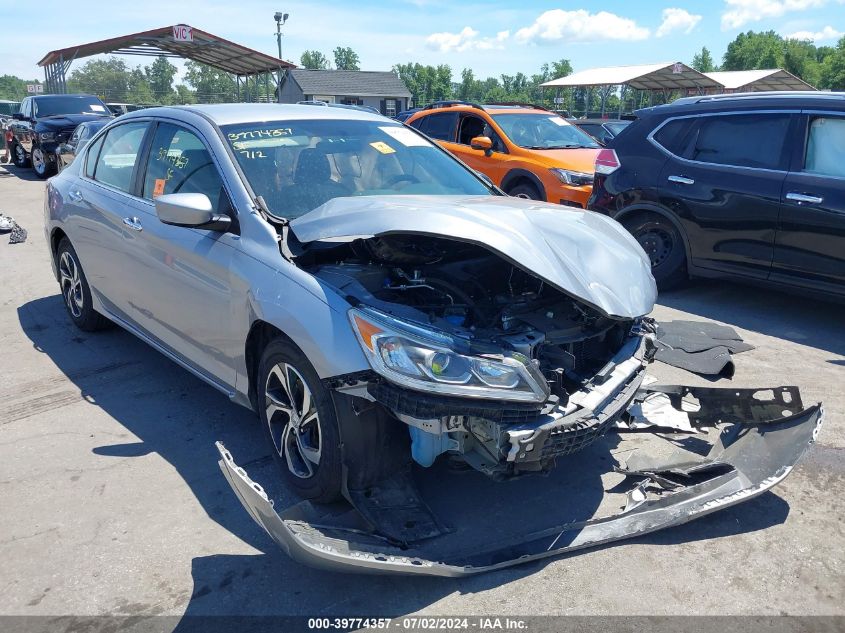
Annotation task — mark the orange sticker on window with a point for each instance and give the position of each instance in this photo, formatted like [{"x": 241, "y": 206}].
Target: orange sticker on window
[
  {"x": 159, "y": 187},
  {"x": 384, "y": 148}
]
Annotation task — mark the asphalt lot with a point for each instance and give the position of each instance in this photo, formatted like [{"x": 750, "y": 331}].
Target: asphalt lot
[{"x": 113, "y": 503}]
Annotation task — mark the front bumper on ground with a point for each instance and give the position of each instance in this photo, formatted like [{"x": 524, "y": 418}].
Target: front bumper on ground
[{"x": 748, "y": 457}]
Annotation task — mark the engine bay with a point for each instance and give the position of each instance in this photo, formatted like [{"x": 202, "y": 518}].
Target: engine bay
[{"x": 480, "y": 299}]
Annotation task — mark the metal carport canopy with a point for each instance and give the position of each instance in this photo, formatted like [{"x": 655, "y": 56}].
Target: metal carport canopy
[
  {"x": 663, "y": 76},
  {"x": 759, "y": 80},
  {"x": 206, "y": 48}
]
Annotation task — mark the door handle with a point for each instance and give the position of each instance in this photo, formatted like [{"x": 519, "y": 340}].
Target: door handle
[
  {"x": 802, "y": 197},
  {"x": 133, "y": 223},
  {"x": 681, "y": 180},
  {"x": 75, "y": 195}
]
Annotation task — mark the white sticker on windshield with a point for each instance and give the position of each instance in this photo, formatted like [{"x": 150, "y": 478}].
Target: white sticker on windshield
[
  {"x": 97, "y": 108},
  {"x": 405, "y": 136},
  {"x": 557, "y": 120}
]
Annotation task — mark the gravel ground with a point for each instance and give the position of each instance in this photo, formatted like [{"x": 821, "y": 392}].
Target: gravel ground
[{"x": 113, "y": 503}]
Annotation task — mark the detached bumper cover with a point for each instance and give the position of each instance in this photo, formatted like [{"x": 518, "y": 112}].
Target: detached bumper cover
[{"x": 746, "y": 460}]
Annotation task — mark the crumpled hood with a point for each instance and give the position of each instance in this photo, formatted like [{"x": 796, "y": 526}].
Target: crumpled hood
[{"x": 584, "y": 254}]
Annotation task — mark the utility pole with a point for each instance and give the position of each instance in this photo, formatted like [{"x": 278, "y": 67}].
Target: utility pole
[{"x": 280, "y": 18}]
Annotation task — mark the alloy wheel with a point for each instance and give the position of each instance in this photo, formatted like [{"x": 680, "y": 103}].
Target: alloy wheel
[
  {"x": 293, "y": 420},
  {"x": 71, "y": 284},
  {"x": 38, "y": 161}
]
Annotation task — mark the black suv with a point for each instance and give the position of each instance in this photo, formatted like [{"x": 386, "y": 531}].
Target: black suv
[
  {"x": 744, "y": 185},
  {"x": 46, "y": 121}
]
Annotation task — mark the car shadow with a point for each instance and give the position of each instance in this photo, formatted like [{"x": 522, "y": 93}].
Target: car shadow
[
  {"x": 803, "y": 320},
  {"x": 23, "y": 173},
  {"x": 177, "y": 416}
]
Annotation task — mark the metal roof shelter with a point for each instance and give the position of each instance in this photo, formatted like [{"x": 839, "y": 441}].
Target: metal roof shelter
[
  {"x": 180, "y": 41},
  {"x": 664, "y": 76},
  {"x": 759, "y": 80}
]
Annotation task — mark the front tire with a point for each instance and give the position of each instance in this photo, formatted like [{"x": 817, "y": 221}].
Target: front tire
[
  {"x": 299, "y": 422},
  {"x": 40, "y": 164},
  {"x": 664, "y": 245},
  {"x": 19, "y": 157},
  {"x": 525, "y": 190},
  {"x": 75, "y": 290}
]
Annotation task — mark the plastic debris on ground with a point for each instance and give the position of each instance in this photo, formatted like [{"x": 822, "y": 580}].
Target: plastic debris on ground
[
  {"x": 699, "y": 347},
  {"x": 17, "y": 234}
]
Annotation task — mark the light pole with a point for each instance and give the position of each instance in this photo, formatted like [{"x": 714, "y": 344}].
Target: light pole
[{"x": 280, "y": 18}]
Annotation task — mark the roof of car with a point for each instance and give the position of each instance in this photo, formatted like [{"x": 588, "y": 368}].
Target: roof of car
[
  {"x": 234, "y": 113},
  {"x": 744, "y": 100}
]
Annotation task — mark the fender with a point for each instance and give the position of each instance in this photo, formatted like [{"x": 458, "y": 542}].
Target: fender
[
  {"x": 517, "y": 174},
  {"x": 627, "y": 212}
]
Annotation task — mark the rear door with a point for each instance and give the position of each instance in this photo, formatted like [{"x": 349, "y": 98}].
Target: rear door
[
  {"x": 810, "y": 244},
  {"x": 726, "y": 187}
]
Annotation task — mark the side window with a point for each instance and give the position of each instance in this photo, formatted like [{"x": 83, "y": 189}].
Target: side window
[
  {"x": 180, "y": 163},
  {"x": 119, "y": 154},
  {"x": 826, "y": 147},
  {"x": 421, "y": 124},
  {"x": 441, "y": 126},
  {"x": 26, "y": 108},
  {"x": 742, "y": 140},
  {"x": 673, "y": 134},
  {"x": 91, "y": 157},
  {"x": 471, "y": 126}
]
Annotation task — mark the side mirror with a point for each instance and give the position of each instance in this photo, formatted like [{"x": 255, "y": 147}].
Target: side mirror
[
  {"x": 190, "y": 210},
  {"x": 483, "y": 143}
]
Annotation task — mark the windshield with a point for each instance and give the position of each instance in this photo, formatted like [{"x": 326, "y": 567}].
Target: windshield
[
  {"x": 617, "y": 126},
  {"x": 296, "y": 166},
  {"x": 70, "y": 105},
  {"x": 543, "y": 131}
]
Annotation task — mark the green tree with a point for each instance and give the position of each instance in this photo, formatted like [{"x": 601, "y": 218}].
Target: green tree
[
  {"x": 752, "y": 50},
  {"x": 832, "y": 73},
  {"x": 210, "y": 85},
  {"x": 703, "y": 62},
  {"x": 106, "y": 78},
  {"x": 183, "y": 95},
  {"x": 314, "y": 60},
  {"x": 13, "y": 88},
  {"x": 160, "y": 76},
  {"x": 139, "y": 88},
  {"x": 426, "y": 83},
  {"x": 346, "y": 59}
]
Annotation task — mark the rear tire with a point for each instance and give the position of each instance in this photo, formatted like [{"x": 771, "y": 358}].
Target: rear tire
[
  {"x": 75, "y": 290},
  {"x": 299, "y": 422},
  {"x": 664, "y": 245},
  {"x": 525, "y": 190}
]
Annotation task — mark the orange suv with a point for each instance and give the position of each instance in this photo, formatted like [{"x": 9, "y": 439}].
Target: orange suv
[{"x": 526, "y": 150}]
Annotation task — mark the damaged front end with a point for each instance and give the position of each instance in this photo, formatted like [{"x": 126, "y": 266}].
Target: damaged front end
[{"x": 747, "y": 457}]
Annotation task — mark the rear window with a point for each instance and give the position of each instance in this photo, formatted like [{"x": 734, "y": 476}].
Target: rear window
[
  {"x": 440, "y": 125},
  {"x": 673, "y": 134},
  {"x": 742, "y": 140}
]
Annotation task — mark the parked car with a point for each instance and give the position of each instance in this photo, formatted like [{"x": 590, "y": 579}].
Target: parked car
[
  {"x": 46, "y": 121},
  {"x": 406, "y": 114},
  {"x": 122, "y": 108},
  {"x": 376, "y": 303},
  {"x": 601, "y": 129},
  {"x": 525, "y": 150},
  {"x": 743, "y": 185},
  {"x": 66, "y": 152}
]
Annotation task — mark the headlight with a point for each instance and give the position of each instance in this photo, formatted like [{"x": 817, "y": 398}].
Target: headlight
[
  {"x": 575, "y": 178},
  {"x": 418, "y": 359},
  {"x": 46, "y": 136}
]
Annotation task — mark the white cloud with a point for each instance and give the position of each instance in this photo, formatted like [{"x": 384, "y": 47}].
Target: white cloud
[
  {"x": 740, "y": 12},
  {"x": 580, "y": 26},
  {"x": 467, "y": 39},
  {"x": 827, "y": 33},
  {"x": 677, "y": 20}
]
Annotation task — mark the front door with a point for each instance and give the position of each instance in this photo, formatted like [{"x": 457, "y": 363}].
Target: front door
[
  {"x": 726, "y": 188},
  {"x": 183, "y": 279},
  {"x": 810, "y": 244}
]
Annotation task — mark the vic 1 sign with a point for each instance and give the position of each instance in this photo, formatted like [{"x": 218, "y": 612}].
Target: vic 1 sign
[{"x": 183, "y": 33}]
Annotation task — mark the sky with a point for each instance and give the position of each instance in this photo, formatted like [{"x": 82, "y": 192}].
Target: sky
[{"x": 493, "y": 37}]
